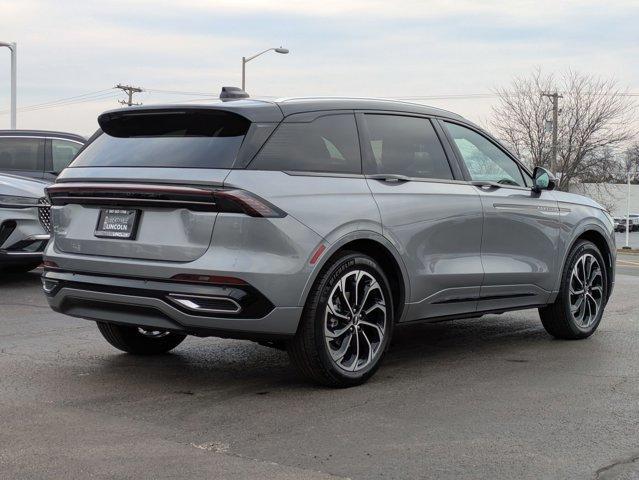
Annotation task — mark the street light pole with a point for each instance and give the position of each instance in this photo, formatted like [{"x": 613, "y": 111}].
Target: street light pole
[
  {"x": 13, "y": 46},
  {"x": 244, "y": 73},
  {"x": 245, "y": 60}
]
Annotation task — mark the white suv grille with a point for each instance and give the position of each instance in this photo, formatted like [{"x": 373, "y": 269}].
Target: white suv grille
[{"x": 44, "y": 214}]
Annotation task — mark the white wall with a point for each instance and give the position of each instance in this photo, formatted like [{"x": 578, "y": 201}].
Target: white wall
[{"x": 617, "y": 196}]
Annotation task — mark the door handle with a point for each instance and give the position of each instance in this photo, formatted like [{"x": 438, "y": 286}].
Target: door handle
[
  {"x": 485, "y": 184},
  {"x": 389, "y": 178}
]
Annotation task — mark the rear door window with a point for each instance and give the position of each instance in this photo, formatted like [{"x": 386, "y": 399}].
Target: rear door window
[
  {"x": 405, "y": 146},
  {"x": 327, "y": 144},
  {"x": 207, "y": 139},
  {"x": 62, "y": 153},
  {"x": 22, "y": 154}
]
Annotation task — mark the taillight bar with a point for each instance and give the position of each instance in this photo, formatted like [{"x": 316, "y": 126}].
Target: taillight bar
[{"x": 226, "y": 200}]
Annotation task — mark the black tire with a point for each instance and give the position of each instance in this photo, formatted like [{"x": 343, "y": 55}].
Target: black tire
[
  {"x": 557, "y": 318},
  {"x": 308, "y": 349},
  {"x": 131, "y": 340}
]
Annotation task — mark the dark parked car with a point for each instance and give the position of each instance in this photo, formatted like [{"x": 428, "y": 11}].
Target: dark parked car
[
  {"x": 316, "y": 225},
  {"x": 37, "y": 153},
  {"x": 620, "y": 224}
]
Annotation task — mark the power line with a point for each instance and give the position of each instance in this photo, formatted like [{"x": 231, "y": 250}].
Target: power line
[
  {"x": 104, "y": 94},
  {"x": 65, "y": 102},
  {"x": 176, "y": 92},
  {"x": 62, "y": 101}
]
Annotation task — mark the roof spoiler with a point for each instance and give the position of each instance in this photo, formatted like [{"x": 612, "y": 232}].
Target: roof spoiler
[{"x": 232, "y": 93}]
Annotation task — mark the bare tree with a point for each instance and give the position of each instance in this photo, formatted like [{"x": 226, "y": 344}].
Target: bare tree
[
  {"x": 594, "y": 121},
  {"x": 631, "y": 163}
]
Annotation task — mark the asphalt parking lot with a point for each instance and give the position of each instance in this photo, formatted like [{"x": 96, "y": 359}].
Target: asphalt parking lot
[{"x": 487, "y": 398}]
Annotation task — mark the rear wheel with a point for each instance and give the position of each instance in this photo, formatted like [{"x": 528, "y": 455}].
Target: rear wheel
[
  {"x": 347, "y": 323},
  {"x": 577, "y": 311},
  {"x": 138, "y": 340}
]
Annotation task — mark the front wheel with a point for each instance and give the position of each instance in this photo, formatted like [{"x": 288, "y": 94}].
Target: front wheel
[
  {"x": 138, "y": 340},
  {"x": 577, "y": 311},
  {"x": 346, "y": 324}
]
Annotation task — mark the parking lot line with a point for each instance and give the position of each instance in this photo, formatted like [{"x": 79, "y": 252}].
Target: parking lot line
[{"x": 627, "y": 263}]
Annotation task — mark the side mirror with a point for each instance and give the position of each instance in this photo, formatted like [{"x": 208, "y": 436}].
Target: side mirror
[{"x": 543, "y": 180}]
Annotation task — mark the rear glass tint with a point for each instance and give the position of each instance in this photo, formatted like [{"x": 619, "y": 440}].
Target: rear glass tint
[{"x": 208, "y": 139}]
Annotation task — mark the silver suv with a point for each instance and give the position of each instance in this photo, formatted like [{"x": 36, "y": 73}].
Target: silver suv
[{"x": 316, "y": 225}]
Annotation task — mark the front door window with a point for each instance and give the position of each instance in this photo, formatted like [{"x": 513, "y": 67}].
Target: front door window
[{"x": 484, "y": 160}]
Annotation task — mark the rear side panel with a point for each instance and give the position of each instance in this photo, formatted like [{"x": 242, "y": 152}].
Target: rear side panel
[{"x": 332, "y": 206}]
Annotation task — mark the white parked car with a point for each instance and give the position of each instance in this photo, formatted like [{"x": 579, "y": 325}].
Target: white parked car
[{"x": 24, "y": 222}]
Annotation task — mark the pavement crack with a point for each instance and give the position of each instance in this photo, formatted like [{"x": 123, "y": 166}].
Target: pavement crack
[
  {"x": 601, "y": 473},
  {"x": 23, "y": 305},
  {"x": 224, "y": 449}
]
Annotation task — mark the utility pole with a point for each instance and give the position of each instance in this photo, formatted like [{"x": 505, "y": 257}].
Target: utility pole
[
  {"x": 13, "y": 47},
  {"x": 555, "y": 119},
  {"x": 129, "y": 90}
]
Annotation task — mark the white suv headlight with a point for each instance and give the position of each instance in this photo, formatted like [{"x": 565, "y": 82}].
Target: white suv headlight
[{"x": 12, "y": 201}]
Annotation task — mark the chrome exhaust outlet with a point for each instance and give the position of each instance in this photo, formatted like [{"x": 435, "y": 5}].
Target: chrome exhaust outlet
[{"x": 205, "y": 303}]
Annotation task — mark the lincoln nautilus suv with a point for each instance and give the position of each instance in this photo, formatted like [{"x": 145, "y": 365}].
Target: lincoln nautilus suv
[{"x": 316, "y": 225}]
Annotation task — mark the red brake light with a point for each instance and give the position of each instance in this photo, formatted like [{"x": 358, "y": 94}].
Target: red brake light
[{"x": 235, "y": 200}]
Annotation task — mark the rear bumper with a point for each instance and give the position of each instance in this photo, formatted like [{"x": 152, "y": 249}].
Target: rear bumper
[{"x": 152, "y": 304}]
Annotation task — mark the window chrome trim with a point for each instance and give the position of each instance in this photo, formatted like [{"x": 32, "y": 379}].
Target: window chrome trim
[
  {"x": 185, "y": 301},
  {"x": 303, "y": 173},
  {"x": 375, "y": 176},
  {"x": 42, "y": 138}
]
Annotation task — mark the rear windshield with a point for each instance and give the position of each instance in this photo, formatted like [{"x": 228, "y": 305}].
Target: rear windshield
[{"x": 209, "y": 139}]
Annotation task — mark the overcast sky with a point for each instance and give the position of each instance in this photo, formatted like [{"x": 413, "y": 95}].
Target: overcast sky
[{"x": 400, "y": 48}]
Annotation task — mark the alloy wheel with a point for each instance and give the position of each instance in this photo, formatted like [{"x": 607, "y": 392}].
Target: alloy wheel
[
  {"x": 586, "y": 290},
  {"x": 355, "y": 321}
]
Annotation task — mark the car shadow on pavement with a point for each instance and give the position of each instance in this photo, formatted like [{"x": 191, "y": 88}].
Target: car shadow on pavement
[
  {"x": 208, "y": 363},
  {"x": 27, "y": 279}
]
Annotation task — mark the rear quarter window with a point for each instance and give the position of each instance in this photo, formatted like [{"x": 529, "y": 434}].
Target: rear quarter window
[{"x": 327, "y": 144}]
